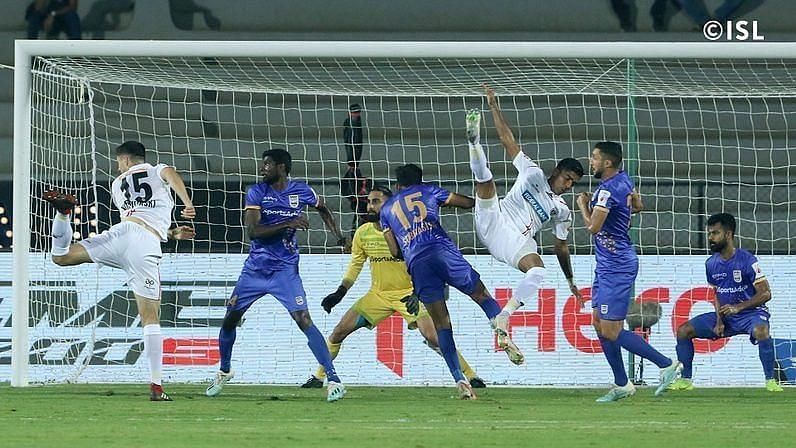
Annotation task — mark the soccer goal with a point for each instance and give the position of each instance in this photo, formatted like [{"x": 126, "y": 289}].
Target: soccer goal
[{"x": 706, "y": 127}]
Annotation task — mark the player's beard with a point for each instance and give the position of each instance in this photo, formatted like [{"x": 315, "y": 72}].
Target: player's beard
[
  {"x": 370, "y": 217},
  {"x": 598, "y": 174},
  {"x": 717, "y": 246}
]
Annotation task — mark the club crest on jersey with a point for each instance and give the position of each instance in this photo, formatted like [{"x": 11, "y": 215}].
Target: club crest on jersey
[
  {"x": 736, "y": 275},
  {"x": 294, "y": 200},
  {"x": 299, "y": 300}
]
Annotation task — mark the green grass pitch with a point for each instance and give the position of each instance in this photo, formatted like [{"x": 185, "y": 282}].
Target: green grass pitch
[{"x": 407, "y": 417}]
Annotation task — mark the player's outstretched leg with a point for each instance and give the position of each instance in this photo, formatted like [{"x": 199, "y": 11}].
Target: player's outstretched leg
[
  {"x": 492, "y": 312},
  {"x": 62, "y": 224},
  {"x": 485, "y": 185},
  {"x": 634, "y": 343},
  {"x": 226, "y": 340}
]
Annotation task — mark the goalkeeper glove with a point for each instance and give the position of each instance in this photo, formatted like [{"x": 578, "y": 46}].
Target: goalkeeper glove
[
  {"x": 412, "y": 304},
  {"x": 333, "y": 299}
]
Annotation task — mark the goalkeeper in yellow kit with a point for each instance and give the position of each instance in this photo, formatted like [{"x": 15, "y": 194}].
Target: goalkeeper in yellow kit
[{"x": 390, "y": 291}]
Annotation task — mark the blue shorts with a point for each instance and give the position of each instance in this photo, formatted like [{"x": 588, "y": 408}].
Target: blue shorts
[
  {"x": 284, "y": 285},
  {"x": 431, "y": 271},
  {"x": 610, "y": 294},
  {"x": 741, "y": 323}
]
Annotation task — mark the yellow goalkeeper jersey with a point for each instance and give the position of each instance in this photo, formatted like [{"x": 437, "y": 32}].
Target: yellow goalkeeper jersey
[{"x": 387, "y": 272}]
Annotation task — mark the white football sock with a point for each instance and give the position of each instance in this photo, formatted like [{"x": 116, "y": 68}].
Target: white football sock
[
  {"x": 153, "y": 346},
  {"x": 478, "y": 164},
  {"x": 62, "y": 234},
  {"x": 528, "y": 288}
]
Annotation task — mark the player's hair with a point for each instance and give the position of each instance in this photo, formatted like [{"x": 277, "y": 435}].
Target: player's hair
[
  {"x": 383, "y": 190},
  {"x": 409, "y": 174},
  {"x": 725, "y": 220},
  {"x": 570, "y": 164},
  {"x": 611, "y": 151},
  {"x": 133, "y": 149},
  {"x": 280, "y": 157}
]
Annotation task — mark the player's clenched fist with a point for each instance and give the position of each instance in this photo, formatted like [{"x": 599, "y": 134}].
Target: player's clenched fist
[
  {"x": 189, "y": 212},
  {"x": 583, "y": 200},
  {"x": 333, "y": 299}
]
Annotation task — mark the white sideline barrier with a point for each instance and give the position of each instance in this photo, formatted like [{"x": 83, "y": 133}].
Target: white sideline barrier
[{"x": 271, "y": 349}]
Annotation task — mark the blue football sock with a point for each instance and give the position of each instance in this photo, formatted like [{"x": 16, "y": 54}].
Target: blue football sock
[
  {"x": 685, "y": 354},
  {"x": 226, "y": 339},
  {"x": 448, "y": 349},
  {"x": 317, "y": 344},
  {"x": 636, "y": 344},
  {"x": 490, "y": 307},
  {"x": 613, "y": 354},
  {"x": 766, "y": 351}
]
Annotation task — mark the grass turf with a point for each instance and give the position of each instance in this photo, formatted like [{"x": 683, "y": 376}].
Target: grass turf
[{"x": 122, "y": 416}]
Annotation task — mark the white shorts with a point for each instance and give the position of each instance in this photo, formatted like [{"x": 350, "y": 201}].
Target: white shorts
[
  {"x": 133, "y": 249},
  {"x": 504, "y": 242}
]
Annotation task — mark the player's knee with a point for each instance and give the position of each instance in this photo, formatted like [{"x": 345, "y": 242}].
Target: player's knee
[
  {"x": 338, "y": 335},
  {"x": 480, "y": 293},
  {"x": 231, "y": 320},
  {"x": 761, "y": 332},
  {"x": 303, "y": 319},
  {"x": 531, "y": 261},
  {"x": 686, "y": 331},
  {"x": 61, "y": 260}
]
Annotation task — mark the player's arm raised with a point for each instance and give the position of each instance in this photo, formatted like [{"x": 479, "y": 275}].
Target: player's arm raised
[
  {"x": 255, "y": 230},
  {"x": 504, "y": 131},
  {"x": 561, "y": 249},
  {"x": 329, "y": 222},
  {"x": 173, "y": 178}
]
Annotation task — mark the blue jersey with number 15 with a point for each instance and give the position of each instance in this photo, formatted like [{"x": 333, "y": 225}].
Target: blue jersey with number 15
[{"x": 413, "y": 216}]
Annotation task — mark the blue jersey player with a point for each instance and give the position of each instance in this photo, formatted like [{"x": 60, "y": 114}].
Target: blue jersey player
[
  {"x": 606, "y": 214},
  {"x": 410, "y": 220},
  {"x": 741, "y": 291},
  {"x": 274, "y": 212}
]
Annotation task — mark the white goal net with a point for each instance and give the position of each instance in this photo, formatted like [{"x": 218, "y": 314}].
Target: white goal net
[{"x": 700, "y": 135}]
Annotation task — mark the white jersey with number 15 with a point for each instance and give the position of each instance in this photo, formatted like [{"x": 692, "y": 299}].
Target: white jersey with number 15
[{"x": 142, "y": 193}]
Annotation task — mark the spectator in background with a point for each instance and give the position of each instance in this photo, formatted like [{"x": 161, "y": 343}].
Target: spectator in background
[
  {"x": 354, "y": 186},
  {"x": 625, "y": 10},
  {"x": 695, "y": 9},
  {"x": 97, "y": 20},
  {"x": 53, "y": 16},
  {"x": 352, "y": 135},
  {"x": 182, "y": 12}
]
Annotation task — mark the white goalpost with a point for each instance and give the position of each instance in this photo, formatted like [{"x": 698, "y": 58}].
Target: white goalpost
[{"x": 706, "y": 127}]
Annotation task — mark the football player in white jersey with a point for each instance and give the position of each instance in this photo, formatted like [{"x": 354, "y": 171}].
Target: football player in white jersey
[
  {"x": 142, "y": 195},
  {"x": 507, "y": 226}
]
